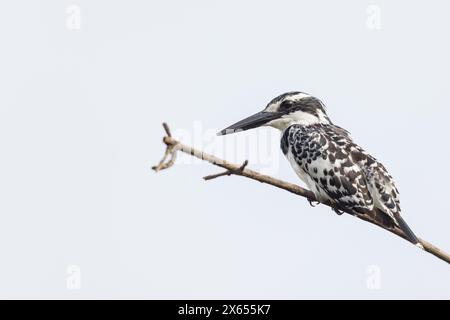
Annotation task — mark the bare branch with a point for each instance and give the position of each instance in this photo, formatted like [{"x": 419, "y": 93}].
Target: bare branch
[{"x": 376, "y": 217}]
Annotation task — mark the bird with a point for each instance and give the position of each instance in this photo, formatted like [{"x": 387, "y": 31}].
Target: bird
[{"x": 328, "y": 161}]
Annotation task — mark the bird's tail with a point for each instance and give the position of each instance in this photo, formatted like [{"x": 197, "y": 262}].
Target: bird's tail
[{"x": 408, "y": 232}]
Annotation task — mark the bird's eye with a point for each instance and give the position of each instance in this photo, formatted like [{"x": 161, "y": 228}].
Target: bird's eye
[{"x": 285, "y": 105}]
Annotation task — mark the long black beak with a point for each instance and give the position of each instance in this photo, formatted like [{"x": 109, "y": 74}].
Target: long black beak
[{"x": 251, "y": 122}]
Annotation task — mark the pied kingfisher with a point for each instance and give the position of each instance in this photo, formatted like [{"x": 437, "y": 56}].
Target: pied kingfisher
[{"x": 327, "y": 160}]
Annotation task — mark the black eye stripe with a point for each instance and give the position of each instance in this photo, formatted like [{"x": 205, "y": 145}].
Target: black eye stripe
[
  {"x": 286, "y": 105},
  {"x": 310, "y": 105}
]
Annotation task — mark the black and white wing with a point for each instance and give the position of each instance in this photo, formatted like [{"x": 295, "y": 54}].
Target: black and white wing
[{"x": 385, "y": 194}]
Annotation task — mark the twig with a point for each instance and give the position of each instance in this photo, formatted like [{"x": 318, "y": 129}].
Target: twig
[
  {"x": 171, "y": 150},
  {"x": 376, "y": 217},
  {"x": 228, "y": 172},
  {"x": 167, "y": 129}
]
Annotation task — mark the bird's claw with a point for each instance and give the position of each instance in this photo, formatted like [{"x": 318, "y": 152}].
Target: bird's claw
[
  {"x": 313, "y": 203},
  {"x": 338, "y": 211}
]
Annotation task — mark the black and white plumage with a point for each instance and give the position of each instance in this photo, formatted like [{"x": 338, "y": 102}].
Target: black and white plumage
[{"x": 327, "y": 160}]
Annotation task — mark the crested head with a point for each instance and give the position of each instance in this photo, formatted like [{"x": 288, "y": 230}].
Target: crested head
[
  {"x": 296, "y": 108},
  {"x": 283, "y": 111}
]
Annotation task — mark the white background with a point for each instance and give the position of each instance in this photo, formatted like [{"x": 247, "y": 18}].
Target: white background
[{"x": 80, "y": 127}]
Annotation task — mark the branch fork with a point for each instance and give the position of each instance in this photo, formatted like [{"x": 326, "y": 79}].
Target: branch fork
[{"x": 229, "y": 172}]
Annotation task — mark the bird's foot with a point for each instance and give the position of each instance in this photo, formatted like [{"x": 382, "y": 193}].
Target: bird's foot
[
  {"x": 338, "y": 211},
  {"x": 313, "y": 203}
]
